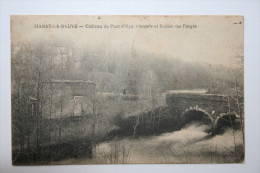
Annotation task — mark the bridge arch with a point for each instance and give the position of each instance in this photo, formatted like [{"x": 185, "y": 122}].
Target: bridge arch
[
  {"x": 223, "y": 121},
  {"x": 196, "y": 114}
]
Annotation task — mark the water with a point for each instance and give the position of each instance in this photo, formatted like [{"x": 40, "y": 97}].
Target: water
[
  {"x": 188, "y": 145},
  {"x": 191, "y": 144}
]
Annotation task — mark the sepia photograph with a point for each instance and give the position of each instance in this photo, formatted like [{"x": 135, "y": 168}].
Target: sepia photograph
[{"x": 127, "y": 89}]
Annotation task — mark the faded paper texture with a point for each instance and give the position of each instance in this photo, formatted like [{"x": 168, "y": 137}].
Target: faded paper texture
[{"x": 127, "y": 89}]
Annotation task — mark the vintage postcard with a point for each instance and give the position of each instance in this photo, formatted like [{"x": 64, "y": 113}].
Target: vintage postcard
[{"x": 127, "y": 89}]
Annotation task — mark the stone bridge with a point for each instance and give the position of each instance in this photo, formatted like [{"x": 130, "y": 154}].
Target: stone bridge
[
  {"x": 182, "y": 109},
  {"x": 197, "y": 106}
]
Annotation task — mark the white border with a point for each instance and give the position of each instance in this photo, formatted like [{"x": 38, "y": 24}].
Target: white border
[{"x": 249, "y": 8}]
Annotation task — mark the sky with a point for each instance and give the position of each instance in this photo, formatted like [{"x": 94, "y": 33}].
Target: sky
[{"x": 215, "y": 40}]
